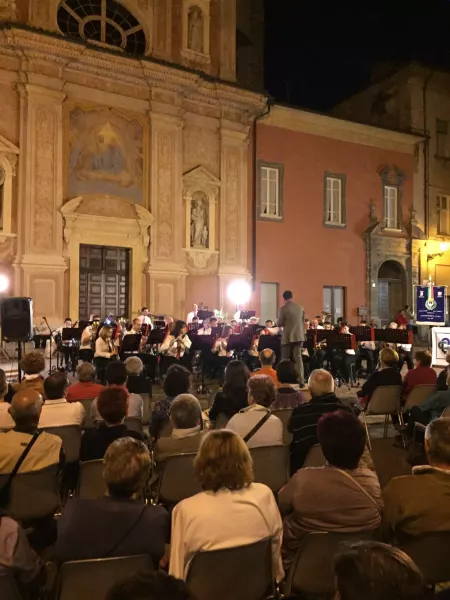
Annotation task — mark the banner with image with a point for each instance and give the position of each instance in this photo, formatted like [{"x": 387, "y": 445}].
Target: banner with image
[{"x": 430, "y": 304}]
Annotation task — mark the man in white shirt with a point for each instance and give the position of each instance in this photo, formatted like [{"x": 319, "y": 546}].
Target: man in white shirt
[
  {"x": 192, "y": 314},
  {"x": 261, "y": 396},
  {"x": 145, "y": 316},
  {"x": 56, "y": 411}
]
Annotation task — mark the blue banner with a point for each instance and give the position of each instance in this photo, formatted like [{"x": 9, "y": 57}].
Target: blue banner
[{"x": 430, "y": 305}]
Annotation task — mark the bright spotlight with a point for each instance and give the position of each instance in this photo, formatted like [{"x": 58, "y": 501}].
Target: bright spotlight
[
  {"x": 4, "y": 283},
  {"x": 239, "y": 292}
]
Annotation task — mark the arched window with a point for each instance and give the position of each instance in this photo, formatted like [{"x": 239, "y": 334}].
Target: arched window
[{"x": 103, "y": 22}]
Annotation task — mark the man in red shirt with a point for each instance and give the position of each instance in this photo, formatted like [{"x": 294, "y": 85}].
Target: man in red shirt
[
  {"x": 86, "y": 388},
  {"x": 401, "y": 318},
  {"x": 422, "y": 374}
]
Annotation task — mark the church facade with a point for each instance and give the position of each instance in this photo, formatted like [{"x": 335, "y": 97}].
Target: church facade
[{"x": 124, "y": 155}]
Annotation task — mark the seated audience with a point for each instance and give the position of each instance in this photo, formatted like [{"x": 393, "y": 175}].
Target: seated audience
[
  {"x": 176, "y": 382},
  {"x": 32, "y": 365},
  {"x": 116, "y": 376},
  {"x": 187, "y": 432},
  {"x": 304, "y": 419},
  {"x": 387, "y": 374},
  {"x": 288, "y": 394},
  {"x": 247, "y": 511},
  {"x": 119, "y": 524},
  {"x": 233, "y": 395},
  {"x": 112, "y": 405},
  {"x": 255, "y": 424},
  {"x": 137, "y": 383},
  {"x": 431, "y": 408},
  {"x": 25, "y": 411},
  {"x": 6, "y": 421},
  {"x": 18, "y": 559},
  {"x": 441, "y": 384},
  {"x": 56, "y": 411},
  {"x": 86, "y": 386},
  {"x": 267, "y": 360},
  {"x": 420, "y": 503},
  {"x": 374, "y": 571},
  {"x": 155, "y": 585},
  {"x": 422, "y": 374},
  {"x": 338, "y": 497}
]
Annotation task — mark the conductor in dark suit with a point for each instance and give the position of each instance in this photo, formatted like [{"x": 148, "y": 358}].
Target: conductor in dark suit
[{"x": 291, "y": 318}]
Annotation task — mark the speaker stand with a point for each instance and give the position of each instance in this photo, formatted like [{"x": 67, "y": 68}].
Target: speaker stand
[
  {"x": 4, "y": 354},
  {"x": 19, "y": 358}
]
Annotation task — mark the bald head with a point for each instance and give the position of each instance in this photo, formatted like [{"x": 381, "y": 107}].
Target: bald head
[
  {"x": 26, "y": 408},
  {"x": 321, "y": 383},
  {"x": 267, "y": 357}
]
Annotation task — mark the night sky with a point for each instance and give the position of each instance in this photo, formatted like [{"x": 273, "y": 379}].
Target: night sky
[{"x": 319, "y": 52}]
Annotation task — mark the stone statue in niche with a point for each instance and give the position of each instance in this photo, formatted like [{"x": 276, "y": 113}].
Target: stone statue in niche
[
  {"x": 199, "y": 221},
  {"x": 195, "y": 29},
  {"x": 2, "y": 194}
]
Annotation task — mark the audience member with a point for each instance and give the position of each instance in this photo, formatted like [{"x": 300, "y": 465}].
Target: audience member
[
  {"x": 137, "y": 383},
  {"x": 422, "y": 374},
  {"x": 32, "y": 365},
  {"x": 112, "y": 405},
  {"x": 304, "y": 419},
  {"x": 25, "y": 411},
  {"x": 267, "y": 360},
  {"x": 56, "y": 411},
  {"x": 176, "y": 382},
  {"x": 339, "y": 497},
  {"x": 374, "y": 571},
  {"x": 288, "y": 394},
  {"x": 431, "y": 408},
  {"x": 86, "y": 386},
  {"x": 230, "y": 511},
  {"x": 187, "y": 432},
  {"x": 441, "y": 384},
  {"x": 233, "y": 396},
  {"x": 387, "y": 374},
  {"x": 6, "y": 421},
  {"x": 116, "y": 376},
  {"x": 119, "y": 524},
  {"x": 420, "y": 503},
  {"x": 255, "y": 424},
  {"x": 155, "y": 585}
]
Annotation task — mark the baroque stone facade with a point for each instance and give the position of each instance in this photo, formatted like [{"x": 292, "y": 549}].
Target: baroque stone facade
[{"x": 106, "y": 149}]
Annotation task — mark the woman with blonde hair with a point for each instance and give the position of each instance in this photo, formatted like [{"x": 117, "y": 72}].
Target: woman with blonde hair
[
  {"x": 231, "y": 510},
  {"x": 104, "y": 351},
  {"x": 387, "y": 374},
  {"x": 32, "y": 365}
]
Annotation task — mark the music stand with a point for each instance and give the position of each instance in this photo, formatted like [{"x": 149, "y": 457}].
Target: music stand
[
  {"x": 159, "y": 325},
  {"x": 130, "y": 343},
  {"x": 394, "y": 336},
  {"x": 363, "y": 333},
  {"x": 156, "y": 336},
  {"x": 238, "y": 342},
  {"x": 204, "y": 314},
  {"x": 342, "y": 341},
  {"x": 245, "y": 315},
  {"x": 202, "y": 343},
  {"x": 270, "y": 341}
]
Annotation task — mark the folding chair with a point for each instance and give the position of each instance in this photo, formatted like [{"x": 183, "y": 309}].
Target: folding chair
[
  {"x": 311, "y": 572},
  {"x": 284, "y": 414},
  {"x": 429, "y": 552},
  {"x": 384, "y": 401},
  {"x": 8, "y": 587},
  {"x": 93, "y": 579},
  {"x": 418, "y": 395},
  {"x": 71, "y": 440},
  {"x": 134, "y": 424},
  {"x": 177, "y": 480},
  {"x": 315, "y": 457},
  {"x": 146, "y": 408},
  {"x": 87, "y": 405},
  {"x": 271, "y": 466},
  {"x": 240, "y": 573},
  {"x": 91, "y": 483},
  {"x": 221, "y": 421}
]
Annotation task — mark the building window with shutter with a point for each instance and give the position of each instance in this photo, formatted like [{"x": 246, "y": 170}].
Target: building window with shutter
[
  {"x": 391, "y": 208},
  {"x": 443, "y": 215},
  {"x": 334, "y": 200},
  {"x": 442, "y": 145},
  {"x": 270, "y": 191}
]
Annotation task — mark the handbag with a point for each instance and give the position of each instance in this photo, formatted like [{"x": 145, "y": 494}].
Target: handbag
[{"x": 5, "y": 490}]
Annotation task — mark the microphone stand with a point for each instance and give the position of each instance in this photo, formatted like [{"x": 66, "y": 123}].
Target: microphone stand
[{"x": 51, "y": 339}]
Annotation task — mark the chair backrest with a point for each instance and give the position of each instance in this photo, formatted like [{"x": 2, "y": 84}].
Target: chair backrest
[
  {"x": 241, "y": 573},
  {"x": 385, "y": 400},
  {"x": 146, "y": 408},
  {"x": 8, "y": 586},
  {"x": 284, "y": 414},
  {"x": 311, "y": 572},
  {"x": 446, "y": 412},
  {"x": 315, "y": 457},
  {"x": 134, "y": 424},
  {"x": 418, "y": 395},
  {"x": 177, "y": 480},
  {"x": 33, "y": 495},
  {"x": 166, "y": 429},
  {"x": 271, "y": 466},
  {"x": 92, "y": 579},
  {"x": 221, "y": 421},
  {"x": 71, "y": 440},
  {"x": 430, "y": 553},
  {"x": 88, "y": 423},
  {"x": 91, "y": 483}
]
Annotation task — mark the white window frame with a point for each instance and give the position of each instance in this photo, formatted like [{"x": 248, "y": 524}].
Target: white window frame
[
  {"x": 270, "y": 173},
  {"x": 391, "y": 194},
  {"x": 443, "y": 214},
  {"x": 442, "y": 147},
  {"x": 330, "y": 201}
]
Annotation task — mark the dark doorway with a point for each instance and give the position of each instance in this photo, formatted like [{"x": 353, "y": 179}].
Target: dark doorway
[
  {"x": 391, "y": 290},
  {"x": 104, "y": 280}
]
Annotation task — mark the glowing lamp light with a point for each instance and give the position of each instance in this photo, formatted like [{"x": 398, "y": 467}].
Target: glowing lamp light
[
  {"x": 239, "y": 292},
  {"x": 443, "y": 247},
  {"x": 4, "y": 283}
]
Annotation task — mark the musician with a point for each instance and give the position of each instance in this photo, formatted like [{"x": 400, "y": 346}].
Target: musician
[
  {"x": 105, "y": 350},
  {"x": 405, "y": 353},
  {"x": 206, "y": 329},
  {"x": 342, "y": 359},
  {"x": 222, "y": 354},
  {"x": 316, "y": 324},
  {"x": 145, "y": 316},
  {"x": 366, "y": 350},
  {"x": 136, "y": 329},
  {"x": 86, "y": 352},
  {"x": 175, "y": 346},
  {"x": 66, "y": 345},
  {"x": 192, "y": 314}
]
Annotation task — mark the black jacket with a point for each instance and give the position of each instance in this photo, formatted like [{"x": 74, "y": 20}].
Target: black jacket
[
  {"x": 389, "y": 376},
  {"x": 95, "y": 442}
]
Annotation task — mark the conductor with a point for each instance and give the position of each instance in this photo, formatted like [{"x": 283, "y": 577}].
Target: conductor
[{"x": 291, "y": 317}]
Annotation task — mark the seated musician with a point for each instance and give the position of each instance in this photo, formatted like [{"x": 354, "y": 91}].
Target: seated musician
[
  {"x": 316, "y": 324},
  {"x": 387, "y": 374},
  {"x": 175, "y": 346},
  {"x": 343, "y": 358},
  {"x": 366, "y": 350},
  {"x": 136, "y": 329},
  {"x": 105, "y": 350},
  {"x": 206, "y": 328},
  {"x": 221, "y": 352},
  {"x": 86, "y": 352},
  {"x": 268, "y": 323},
  {"x": 65, "y": 344},
  {"x": 251, "y": 356}
]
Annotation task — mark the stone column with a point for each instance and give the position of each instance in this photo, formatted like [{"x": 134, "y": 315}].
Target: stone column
[
  {"x": 228, "y": 40},
  {"x": 166, "y": 269},
  {"x": 233, "y": 244},
  {"x": 40, "y": 266}
]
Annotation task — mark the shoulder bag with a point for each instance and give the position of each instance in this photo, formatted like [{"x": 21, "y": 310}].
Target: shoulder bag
[{"x": 5, "y": 490}]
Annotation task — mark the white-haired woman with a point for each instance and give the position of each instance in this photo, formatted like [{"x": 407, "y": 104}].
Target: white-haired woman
[{"x": 137, "y": 382}]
